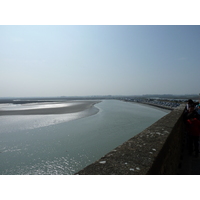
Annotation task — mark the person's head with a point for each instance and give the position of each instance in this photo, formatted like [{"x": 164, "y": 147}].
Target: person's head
[
  {"x": 191, "y": 107},
  {"x": 190, "y": 101}
]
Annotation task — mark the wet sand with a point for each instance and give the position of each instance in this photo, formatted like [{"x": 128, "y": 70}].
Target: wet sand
[{"x": 77, "y": 106}]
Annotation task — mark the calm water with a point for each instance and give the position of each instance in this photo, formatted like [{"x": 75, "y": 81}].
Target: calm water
[{"x": 64, "y": 144}]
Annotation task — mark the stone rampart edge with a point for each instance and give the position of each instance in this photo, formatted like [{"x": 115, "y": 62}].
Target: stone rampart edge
[{"x": 149, "y": 152}]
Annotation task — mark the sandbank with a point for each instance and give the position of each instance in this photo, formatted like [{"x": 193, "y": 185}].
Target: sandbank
[{"x": 76, "y": 106}]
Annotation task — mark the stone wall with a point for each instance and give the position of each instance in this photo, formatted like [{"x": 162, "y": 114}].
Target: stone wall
[{"x": 154, "y": 151}]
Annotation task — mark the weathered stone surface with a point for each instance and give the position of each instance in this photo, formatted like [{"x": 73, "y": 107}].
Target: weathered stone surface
[{"x": 156, "y": 150}]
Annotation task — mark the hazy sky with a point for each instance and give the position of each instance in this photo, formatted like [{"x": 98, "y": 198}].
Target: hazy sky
[{"x": 99, "y": 60}]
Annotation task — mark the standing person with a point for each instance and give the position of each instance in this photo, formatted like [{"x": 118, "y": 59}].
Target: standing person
[
  {"x": 193, "y": 130},
  {"x": 191, "y": 111},
  {"x": 198, "y": 108},
  {"x": 189, "y": 102}
]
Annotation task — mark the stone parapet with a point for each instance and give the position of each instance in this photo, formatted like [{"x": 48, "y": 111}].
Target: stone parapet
[{"x": 154, "y": 151}]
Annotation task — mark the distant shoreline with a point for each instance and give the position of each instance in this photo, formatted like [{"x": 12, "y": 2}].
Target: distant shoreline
[
  {"x": 80, "y": 106},
  {"x": 158, "y": 106},
  {"x": 153, "y": 105}
]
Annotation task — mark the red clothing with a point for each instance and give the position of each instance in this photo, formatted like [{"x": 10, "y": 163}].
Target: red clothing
[{"x": 193, "y": 127}]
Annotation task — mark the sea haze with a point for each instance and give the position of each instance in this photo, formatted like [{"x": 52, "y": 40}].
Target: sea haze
[{"x": 66, "y": 143}]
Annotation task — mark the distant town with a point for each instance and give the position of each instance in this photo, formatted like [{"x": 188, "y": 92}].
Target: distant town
[{"x": 167, "y": 101}]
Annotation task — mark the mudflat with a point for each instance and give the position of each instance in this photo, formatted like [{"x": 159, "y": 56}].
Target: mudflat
[{"x": 74, "y": 107}]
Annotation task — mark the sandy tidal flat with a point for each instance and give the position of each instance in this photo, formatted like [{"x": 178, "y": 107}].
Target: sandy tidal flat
[{"x": 47, "y": 108}]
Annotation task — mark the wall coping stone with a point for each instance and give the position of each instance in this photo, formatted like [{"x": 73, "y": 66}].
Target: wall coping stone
[{"x": 137, "y": 155}]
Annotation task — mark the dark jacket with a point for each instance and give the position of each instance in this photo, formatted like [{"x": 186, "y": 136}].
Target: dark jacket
[
  {"x": 193, "y": 126},
  {"x": 191, "y": 115}
]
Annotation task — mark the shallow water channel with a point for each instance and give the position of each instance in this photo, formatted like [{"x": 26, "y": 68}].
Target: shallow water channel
[{"x": 64, "y": 144}]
